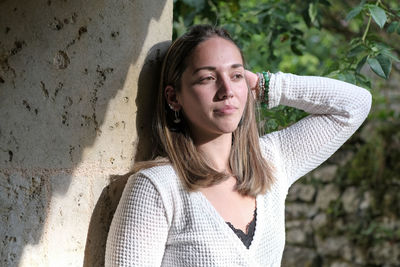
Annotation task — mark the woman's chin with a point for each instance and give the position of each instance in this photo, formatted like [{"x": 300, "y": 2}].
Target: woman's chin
[{"x": 228, "y": 128}]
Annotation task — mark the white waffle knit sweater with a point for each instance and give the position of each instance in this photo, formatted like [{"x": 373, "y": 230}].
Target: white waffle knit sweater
[{"x": 158, "y": 223}]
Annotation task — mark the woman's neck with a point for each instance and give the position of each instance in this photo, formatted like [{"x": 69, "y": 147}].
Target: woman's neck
[{"x": 217, "y": 151}]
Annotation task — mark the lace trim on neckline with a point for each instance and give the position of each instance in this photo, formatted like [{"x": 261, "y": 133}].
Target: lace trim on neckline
[{"x": 246, "y": 238}]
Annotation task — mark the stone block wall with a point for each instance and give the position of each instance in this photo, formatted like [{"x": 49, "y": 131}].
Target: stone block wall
[
  {"x": 76, "y": 85},
  {"x": 347, "y": 212}
]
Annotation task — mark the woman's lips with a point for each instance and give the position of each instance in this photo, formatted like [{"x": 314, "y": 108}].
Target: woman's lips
[{"x": 226, "y": 110}]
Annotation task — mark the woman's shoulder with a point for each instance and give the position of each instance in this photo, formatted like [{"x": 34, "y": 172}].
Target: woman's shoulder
[
  {"x": 159, "y": 172},
  {"x": 163, "y": 177}
]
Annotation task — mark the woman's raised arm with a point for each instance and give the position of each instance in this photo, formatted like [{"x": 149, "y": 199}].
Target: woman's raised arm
[{"x": 336, "y": 110}]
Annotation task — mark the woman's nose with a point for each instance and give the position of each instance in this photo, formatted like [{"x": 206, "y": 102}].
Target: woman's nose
[{"x": 225, "y": 89}]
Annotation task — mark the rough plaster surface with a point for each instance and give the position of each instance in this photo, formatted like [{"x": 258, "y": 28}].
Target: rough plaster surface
[{"x": 76, "y": 83}]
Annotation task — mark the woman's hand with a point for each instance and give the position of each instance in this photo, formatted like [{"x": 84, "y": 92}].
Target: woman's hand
[{"x": 252, "y": 81}]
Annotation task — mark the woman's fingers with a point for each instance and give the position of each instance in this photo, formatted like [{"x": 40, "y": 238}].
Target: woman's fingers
[{"x": 252, "y": 80}]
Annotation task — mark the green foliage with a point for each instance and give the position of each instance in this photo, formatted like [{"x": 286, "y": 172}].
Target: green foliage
[{"x": 337, "y": 39}]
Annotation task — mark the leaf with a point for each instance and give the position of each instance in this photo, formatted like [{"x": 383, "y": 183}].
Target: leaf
[
  {"x": 392, "y": 27},
  {"x": 381, "y": 65},
  {"x": 325, "y": 2},
  {"x": 197, "y": 4},
  {"x": 363, "y": 81},
  {"x": 389, "y": 54},
  {"x": 361, "y": 64},
  {"x": 376, "y": 67},
  {"x": 356, "y": 50},
  {"x": 381, "y": 46},
  {"x": 272, "y": 124},
  {"x": 378, "y": 14},
  {"x": 354, "y": 12},
  {"x": 386, "y": 64},
  {"x": 347, "y": 77},
  {"x": 312, "y": 12},
  {"x": 296, "y": 31},
  {"x": 295, "y": 50}
]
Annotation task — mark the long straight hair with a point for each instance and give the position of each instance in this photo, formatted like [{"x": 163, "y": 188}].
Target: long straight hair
[{"x": 174, "y": 144}]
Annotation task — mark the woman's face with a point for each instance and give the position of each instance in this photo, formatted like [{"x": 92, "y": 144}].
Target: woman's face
[{"x": 214, "y": 90}]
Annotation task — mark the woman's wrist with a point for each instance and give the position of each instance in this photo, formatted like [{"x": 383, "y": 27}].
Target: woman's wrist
[
  {"x": 260, "y": 86},
  {"x": 263, "y": 86}
]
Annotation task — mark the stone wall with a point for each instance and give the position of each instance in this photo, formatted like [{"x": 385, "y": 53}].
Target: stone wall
[
  {"x": 76, "y": 79},
  {"x": 327, "y": 225}
]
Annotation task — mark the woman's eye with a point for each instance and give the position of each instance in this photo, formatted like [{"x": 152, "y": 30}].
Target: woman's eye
[
  {"x": 237, "y": 76},
  {"x": 205, "y": 79}
]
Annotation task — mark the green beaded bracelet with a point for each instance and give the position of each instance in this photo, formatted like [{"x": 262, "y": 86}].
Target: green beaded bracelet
[{"x": 267, "y": 77}]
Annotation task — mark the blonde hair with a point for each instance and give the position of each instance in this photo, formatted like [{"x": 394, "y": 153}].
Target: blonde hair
[{"x": 174, "y": 144}]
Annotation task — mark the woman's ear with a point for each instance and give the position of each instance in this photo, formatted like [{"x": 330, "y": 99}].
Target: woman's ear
[{"x": 171, "y": 97}]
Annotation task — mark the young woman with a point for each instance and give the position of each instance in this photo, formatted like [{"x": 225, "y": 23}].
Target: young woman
[{"x": 215, "y": 195}]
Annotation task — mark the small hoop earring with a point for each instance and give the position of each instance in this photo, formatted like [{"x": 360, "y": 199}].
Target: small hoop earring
[{"x": 177, "y": 119}]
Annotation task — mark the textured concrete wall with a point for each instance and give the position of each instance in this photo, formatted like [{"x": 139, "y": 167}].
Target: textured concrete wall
[{"x": 76, "y": 79}]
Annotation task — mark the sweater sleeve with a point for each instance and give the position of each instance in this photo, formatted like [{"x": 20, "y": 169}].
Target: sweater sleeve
[
  {"x": 336, "y": 110},
  {"x": 139, "y": 229}
]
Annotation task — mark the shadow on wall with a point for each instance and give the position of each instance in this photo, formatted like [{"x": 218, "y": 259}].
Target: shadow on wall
[
  {"x": 108, "y": 201},
  {"x": 101, "y": 219},
  {"x": 61, "y": 63}
]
